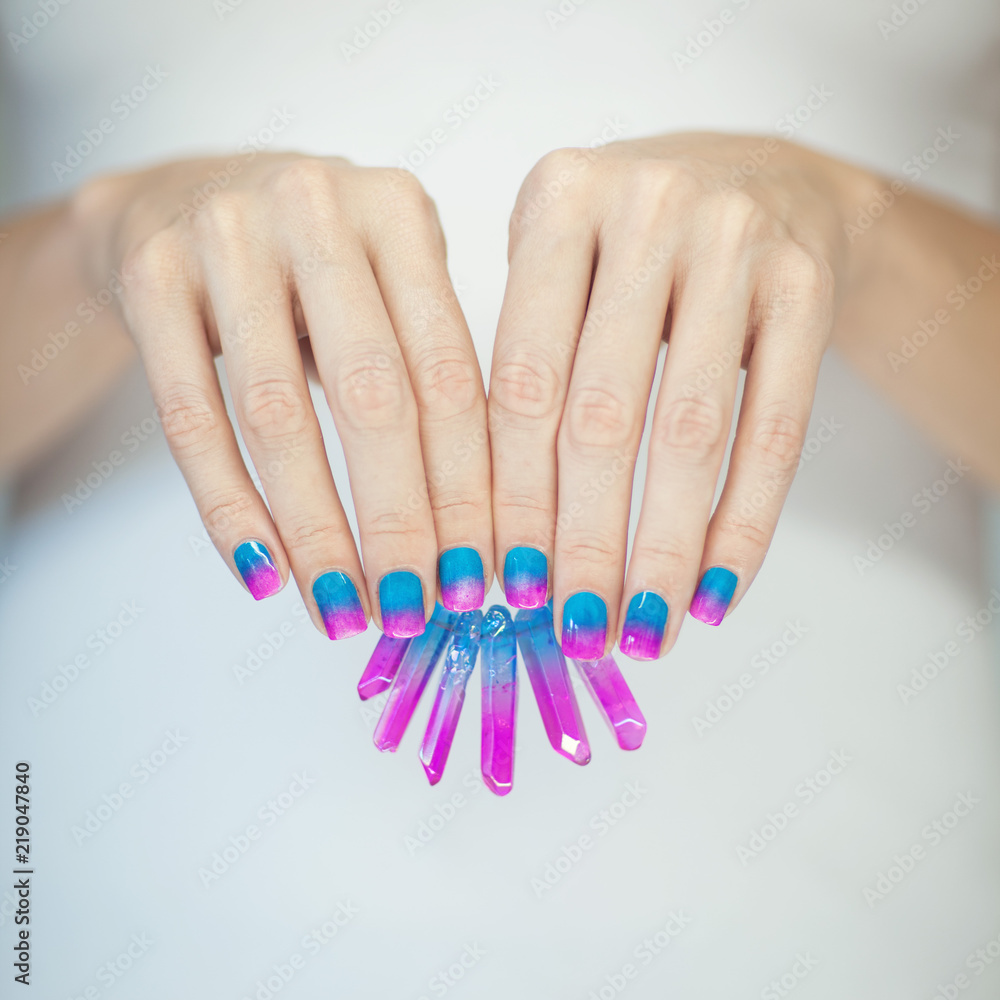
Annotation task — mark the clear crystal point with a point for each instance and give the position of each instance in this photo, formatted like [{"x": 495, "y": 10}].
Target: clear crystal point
[{"x": 459, "y": 662}]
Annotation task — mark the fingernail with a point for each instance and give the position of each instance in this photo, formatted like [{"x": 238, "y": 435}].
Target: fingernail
[
  {"x": 584, "y": 626},
  {"x": 525, "y": 577},
  {"x": 257, "y": 569},
  {"x": 645, "y": 620},
  {"x": 339, "y": 604},
  {"x": 711, "y": 599},
  {"x": 463, "y": 587},
  {"x": 401, "y": 598}
]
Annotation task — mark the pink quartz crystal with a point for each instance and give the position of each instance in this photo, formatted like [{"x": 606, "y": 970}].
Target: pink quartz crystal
[{"x": 617, "y": 704}]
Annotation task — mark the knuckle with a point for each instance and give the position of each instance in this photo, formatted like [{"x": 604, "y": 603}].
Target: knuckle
[
  {"x": 588, "y": 549},
  {"x": 399, "y": 525},
  {"x": 371, "y": 392},
  {"x": 189, "y": 422},
  {"x": 735, "y": 220},
  {"x": 447, "y": 384},
  {"x": 777, "y": 440},
  {"x": 551, "y": 168},
  {"x": 224, "y": 220},
  {"x": 274, "y": 407},
  {"x": 805, "y": 275},
  {"x": 524, "y": 386},
  {"x": 666, "y": 554},
  {"x": 310, "y": 534},
  {"x": 598, "y": 416},
  {"x": 306, "y": 182},
  {"x": 743, "y": 530},
  {"x": 221, "y": 512},
  {"x": 691, "y": 429},
  {"x": 654, "y": 186},
  {"x": 155, "y": 264}
]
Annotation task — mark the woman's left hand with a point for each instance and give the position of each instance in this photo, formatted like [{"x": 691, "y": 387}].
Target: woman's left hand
[{"x": 730, "y": 248}]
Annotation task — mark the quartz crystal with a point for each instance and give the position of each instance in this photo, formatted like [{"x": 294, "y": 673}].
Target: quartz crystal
[
  {"x": 414, "y": 672},
  {"x": 498, "y": 657},
  {"x": 459, "y": 662},
  {"x": 617, "y": 704},
  {"x": 546, "y": 666},
  {"x": 382, "y": 667}
]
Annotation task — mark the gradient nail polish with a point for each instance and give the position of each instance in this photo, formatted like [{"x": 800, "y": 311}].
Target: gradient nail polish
[
  {"x": 257, "y": 569},
  {"x": 584, "y": 626},
  {"x": 645, "y": 621},
  {"x": 339, "y": 604},
  {"x": 401, "y": 598},
  {"x": 711, "y": 599},
  {"x": 463, "y": 587},
  {"x": 525, "y": 577}
]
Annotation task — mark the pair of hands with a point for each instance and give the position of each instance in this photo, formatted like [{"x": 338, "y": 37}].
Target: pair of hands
[{"x": 728, "y": 247}]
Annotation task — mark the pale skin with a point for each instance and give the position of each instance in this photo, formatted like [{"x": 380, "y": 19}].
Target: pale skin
[{"x": 611, "y": 251}]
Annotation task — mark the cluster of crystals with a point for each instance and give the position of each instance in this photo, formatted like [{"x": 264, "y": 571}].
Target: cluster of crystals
[{"x": 404, "y": 668}]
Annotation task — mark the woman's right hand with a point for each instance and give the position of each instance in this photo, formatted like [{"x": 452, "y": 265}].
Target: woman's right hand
[{"x": 244, "y": 258}]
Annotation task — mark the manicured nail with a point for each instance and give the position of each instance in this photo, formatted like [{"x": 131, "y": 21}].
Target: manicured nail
[
  {"x": 338, "y": 603},
  {"x": 257, "y": 569},
  {"x": 463, "y": 587},
  {"x": 584, "y": 626},
  {"x": 401, "y": 598},
  {"x": 525, "y": 577},
  {"x": 645, "y": 620},
  {"x": 711, "y": 599}
]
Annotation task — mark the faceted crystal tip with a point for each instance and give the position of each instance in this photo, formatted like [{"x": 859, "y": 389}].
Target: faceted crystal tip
[
  {"x": 614, "y": 698},
  {"x": 546, "y": 667},
  {"x": 382, "y": 667}
]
